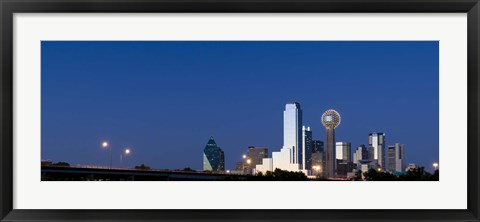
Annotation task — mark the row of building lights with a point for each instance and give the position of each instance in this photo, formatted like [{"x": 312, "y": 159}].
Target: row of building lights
[
  {"x": 316, "y": 168},
  {"x": 127, "y": 151}
]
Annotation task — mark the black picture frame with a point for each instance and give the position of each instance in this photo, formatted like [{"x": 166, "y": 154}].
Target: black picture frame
[{"x": 9, "y": 7}]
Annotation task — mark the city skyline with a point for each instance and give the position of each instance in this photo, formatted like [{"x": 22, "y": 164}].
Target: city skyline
[{"x": 261, "y": 108}]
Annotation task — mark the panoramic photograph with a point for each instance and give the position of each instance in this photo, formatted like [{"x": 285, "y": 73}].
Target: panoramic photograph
[{"x": 240, "y": 111}]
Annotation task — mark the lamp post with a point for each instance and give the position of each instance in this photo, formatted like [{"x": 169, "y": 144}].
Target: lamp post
[
  {"x": 317, "y": 169},
  {"x": 249, "y": 161},
  {"x": 243, "y": 163},
  {"x": 125, "y": 152},
  {"x": 435, "y": 165},
  {"x": 105, "y": 145}
]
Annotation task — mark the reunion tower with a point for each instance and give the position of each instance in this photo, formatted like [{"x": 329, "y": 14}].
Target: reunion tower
[{"x": 330, "y": 119}]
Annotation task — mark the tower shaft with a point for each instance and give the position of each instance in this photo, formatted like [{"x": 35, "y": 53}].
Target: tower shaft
[{"x": 330, "y": 158}]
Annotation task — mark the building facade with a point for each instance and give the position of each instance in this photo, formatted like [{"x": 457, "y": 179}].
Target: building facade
[
  {"x": 361, "y": 153},
  {"x": 213, "y": 157},
  {"x": 307, "y": 148},
  {"x": 292, "y": 131},
  {"x": 395, "y": 158},
  {"x": 343, "y": 168},
  {"x": 256, "y": 155},
  {"x": 317, "y": 159},
  {"x": 376, "y": 142},
  {"x": 281, "y": 160},
  {"x": 267, "y": 165},
  {"x": 317, "y": 146},
  {"x": 365, "y": 165},
  {"x": 318, "y": 163},
  {"x": 411, "y": 166},
  {"x": 290, "y": 157},
  {"x": 343, "y": 152}
]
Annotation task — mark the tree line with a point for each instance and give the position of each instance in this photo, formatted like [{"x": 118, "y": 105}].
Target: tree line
[{"x": 415, "y": 174}]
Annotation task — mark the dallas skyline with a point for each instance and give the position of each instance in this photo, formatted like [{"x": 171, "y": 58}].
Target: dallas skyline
[{"x": 165, "y": 99}]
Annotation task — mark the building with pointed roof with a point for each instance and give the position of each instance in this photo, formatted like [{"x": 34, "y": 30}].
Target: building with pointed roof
[{"x": 213, "y": 157}]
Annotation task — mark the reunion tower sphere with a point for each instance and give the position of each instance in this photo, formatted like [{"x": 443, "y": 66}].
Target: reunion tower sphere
[{"x": 331, "y": 118}]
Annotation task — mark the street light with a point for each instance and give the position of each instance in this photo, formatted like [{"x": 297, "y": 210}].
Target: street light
[
  {"x": 244, "y": 156},
  {"x": 106, "y": 145},
  {"x": 249, "y": 161},
  {"x": 125, "y": 152},
  {"x": 435, "y": 165},
  {"x": 317, "y": 169}
]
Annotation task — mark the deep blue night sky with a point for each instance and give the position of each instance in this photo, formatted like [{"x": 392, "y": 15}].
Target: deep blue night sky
[{"x": 165, "y": 99}]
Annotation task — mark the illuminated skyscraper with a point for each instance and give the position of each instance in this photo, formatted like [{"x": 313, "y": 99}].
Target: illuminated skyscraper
[
  {"x": 307, "y": 148},
  {"x": 330, "y": 119},
  {"x": 343, "y": 154},
  {"x": 360, "y": 154},
  {"x": 343, "y": 151},
  {"x": 317, "y": 146},
  {"x": 318, "y": 163},
  {"x": 213, "y": 157},
  {"x": 317, "y": 160},
  {"x": 256, "y": 155},
  {"x": 290, "y": 156},
  {"x": 292, "y": 131},
  {"x": 376, "y": 141},
  {"x": 395, "y": 158}
]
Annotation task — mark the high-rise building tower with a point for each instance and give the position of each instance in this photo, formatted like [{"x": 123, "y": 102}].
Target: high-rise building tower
[
  {"x": 290, "y": 157},
  {"x": 292, "y": 131},
  {"x": 317, "y": 160},
  {"x": 318, "y": 163},
  {"x": 360, "y": 154},
  {"x": 330, "y": 119},
  {"x": 343, "y": 151},
  {"x": 307, "y": 148},
  {"x": 256, "y": 155},
  {"x": 395, "y": 158},
  {"x": 376, "y": 141},
  {"x": 317, "y": 146},
  {"x": 213, "y": 157}
]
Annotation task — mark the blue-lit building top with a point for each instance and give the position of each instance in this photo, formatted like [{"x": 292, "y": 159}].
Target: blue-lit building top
[{"x": 213, "y": 157}]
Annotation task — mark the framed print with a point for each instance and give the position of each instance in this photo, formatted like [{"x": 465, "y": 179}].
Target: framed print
[{"x": 236, "y": 110}]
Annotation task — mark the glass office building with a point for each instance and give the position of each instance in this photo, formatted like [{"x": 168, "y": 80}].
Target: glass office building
[
  {"x": 395, "y": 158},
  {"x": 292, "y": 131},
  {"x": 213, "y": 157},
  {"x": 376, "y": 142}
]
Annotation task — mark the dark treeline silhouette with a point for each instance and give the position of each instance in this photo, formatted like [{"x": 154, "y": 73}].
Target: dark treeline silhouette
[
  {"x": 65, "y": 164},
  {"x": 279, "y": 175},
  {"x": 188, "y": 169},
  {"x": 142, "y": 167},
  {"x": 416, "y": 174}
]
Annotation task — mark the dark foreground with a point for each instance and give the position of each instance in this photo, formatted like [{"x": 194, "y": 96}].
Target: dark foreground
[
  {"x": 82, "y": 173},
  {"x": 65, "y": 173}
]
